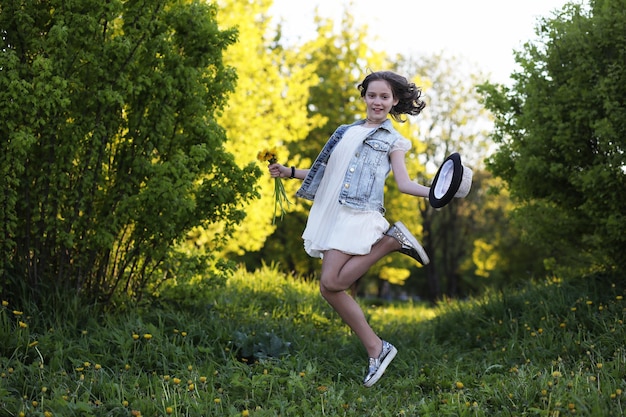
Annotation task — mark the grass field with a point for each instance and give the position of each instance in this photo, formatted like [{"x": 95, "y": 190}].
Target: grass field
[{"x": 268, "y": 345}]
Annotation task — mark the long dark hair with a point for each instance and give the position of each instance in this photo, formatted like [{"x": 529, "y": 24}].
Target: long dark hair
[{"x": 407, "y": 93}]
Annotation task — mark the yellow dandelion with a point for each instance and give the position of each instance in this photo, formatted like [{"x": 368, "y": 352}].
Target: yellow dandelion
[
  {"x": 190, "y": 368},
  {"x": 599, "y": 366},
  {"x": 44, "y": 389},
  {"x": 87, "y": 364},
  {"x": 203, "y": 379},
  {"x": 47, "y": 414},
  {"x": 169, "y": 410},
  {"x": 459, "y": 385},
  {"x": 5, "y": 303},
  {"x": 183, "y": 334},
  {"x": 166, "y": 378},
  {"x": 245, "y": 413},
  {"x": 280, "y": 195},
  {"x": 22, "y": 324},
  {"x": 217, "y": 400},
  {"x": 619, "y": 297},
  {"x": 135, "y": 336},
  {"x": 126, "y": 367},
  {"x": 17, "y": 313},
  {"x": 98, "y": 366},
  {"x": 191, "y": 387},
  {"x": 556, "y": 374},
  {"x": 176, "y": 381},
  {"x": 124, "y": 403},
  {"x": 147, "y": 336},
  {"x": 302, "y": 374},
  {"x": 618, "y": 391}
]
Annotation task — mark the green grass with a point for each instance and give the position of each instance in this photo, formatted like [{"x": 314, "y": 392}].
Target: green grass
[{"x": 268, "y": 345}]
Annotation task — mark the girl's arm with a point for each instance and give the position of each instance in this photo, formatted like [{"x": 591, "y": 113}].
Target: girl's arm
[
  {"x": 405, "y": 185},
  {"x": 281, "y": 171}
]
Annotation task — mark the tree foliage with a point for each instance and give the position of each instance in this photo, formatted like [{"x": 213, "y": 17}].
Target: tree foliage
[
  {"x": 110, "y": 149},
  {"x": 266, "y": 110},
  {"x": 453, "y": 120},
  {"x": 341, "y": 58},
  {"x": 561, "y": 130}
]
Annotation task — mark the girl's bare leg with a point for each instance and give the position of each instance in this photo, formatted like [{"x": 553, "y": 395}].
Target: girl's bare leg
[{"x": 339, "y": 271}]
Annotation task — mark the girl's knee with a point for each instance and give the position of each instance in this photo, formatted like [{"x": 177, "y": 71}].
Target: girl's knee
[{"x": 327, "y": 287}]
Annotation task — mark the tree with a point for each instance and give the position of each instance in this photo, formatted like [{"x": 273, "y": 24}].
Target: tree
[
  {"x": 342, "y": 58},
  {"x": 267, "y": 109},
  {"x": 454, "y": 120},
  {"x": 111, "y": 151},
  {"x": 560, "y": 130}
]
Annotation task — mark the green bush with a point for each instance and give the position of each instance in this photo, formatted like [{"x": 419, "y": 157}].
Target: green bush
[{"x": 109, "y": 152}]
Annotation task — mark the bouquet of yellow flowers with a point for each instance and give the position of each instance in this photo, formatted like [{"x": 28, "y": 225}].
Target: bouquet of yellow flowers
[{"x": 280, "y": 196}]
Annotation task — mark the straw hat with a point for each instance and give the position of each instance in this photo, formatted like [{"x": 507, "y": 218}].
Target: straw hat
[{"x": 452, "y": 180}]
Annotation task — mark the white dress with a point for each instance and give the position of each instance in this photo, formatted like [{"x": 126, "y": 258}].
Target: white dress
[{"x": 334, "y": 226}]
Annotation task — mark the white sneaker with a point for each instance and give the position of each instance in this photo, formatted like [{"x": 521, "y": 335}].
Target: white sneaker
[
  {"x": 410, "y": 245},
  {"x": 377, "y": 366}
]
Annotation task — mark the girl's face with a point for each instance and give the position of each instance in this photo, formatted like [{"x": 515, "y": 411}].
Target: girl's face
[{"x": 379, "y": 100}]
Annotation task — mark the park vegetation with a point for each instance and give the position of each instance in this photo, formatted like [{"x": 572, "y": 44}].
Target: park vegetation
[{"x": 136, "y": 222}]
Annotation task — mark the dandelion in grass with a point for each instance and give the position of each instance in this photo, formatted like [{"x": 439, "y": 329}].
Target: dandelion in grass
[{"x": 280, "y": 196}]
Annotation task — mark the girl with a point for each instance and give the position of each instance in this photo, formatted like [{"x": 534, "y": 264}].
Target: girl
[{"x": 346, "y": 227}]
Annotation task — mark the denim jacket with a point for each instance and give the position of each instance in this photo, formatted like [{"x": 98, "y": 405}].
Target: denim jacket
[{"x": 364, "y": 181}]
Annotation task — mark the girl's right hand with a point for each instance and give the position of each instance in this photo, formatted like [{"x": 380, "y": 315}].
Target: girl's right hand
[{"x": 278, "y": 171}]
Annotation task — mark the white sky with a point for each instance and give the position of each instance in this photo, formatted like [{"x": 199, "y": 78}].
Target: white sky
[{"x": 483, "y": 32}]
